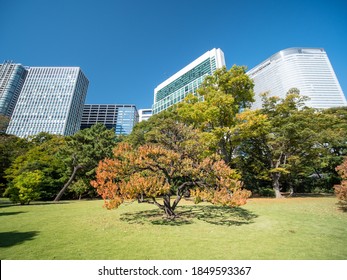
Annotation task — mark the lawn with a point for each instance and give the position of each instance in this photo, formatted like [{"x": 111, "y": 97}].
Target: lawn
[{"x": 293, "y": 228}]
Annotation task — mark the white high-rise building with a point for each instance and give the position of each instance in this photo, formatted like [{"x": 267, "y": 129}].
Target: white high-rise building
[
  {"x": 187, "y": 80},
  {"x": 307, "y": 69},
  {"x": 145, "y": 114},
  {"x": 51, "y": 100}
]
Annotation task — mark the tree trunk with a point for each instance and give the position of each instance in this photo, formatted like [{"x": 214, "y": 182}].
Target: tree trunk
[
  {"x": 276, "y": 184},
  {"x": 72, "y": 177},
  {"x": 169, "y": 211}
]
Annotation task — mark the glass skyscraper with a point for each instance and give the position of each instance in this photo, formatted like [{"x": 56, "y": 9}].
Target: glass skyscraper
[
  {"x": 187, "y": 80},
  {"x": 12, "y": 77},
  {"x": 51, "y": 100},
  {"x": 121, "y": 118},
  {"x": 307, "y": 69}
]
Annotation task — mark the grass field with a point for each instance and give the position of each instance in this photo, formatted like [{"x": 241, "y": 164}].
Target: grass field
[{"x": 295, "y": 228}]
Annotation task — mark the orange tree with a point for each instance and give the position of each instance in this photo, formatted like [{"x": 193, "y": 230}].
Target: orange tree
[
  {"x": 152, "y": 171},
  {"x": 341, "y": 190}
]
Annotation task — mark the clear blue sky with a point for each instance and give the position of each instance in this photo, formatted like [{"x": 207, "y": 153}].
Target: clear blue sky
[{"x": 127, "y": 47}]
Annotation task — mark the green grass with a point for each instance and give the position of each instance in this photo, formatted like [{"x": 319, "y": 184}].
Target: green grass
[{"x": 296, "y": 228}]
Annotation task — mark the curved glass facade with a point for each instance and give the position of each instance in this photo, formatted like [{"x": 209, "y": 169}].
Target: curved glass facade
[
  {"x": 12, "y": 77},
  {"x": 307, "y": 69}
]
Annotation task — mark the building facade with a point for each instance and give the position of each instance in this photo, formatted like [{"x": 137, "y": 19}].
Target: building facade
[
  {"x": 121, "y": 118},
  {"x": 187, "y": 80},
  {"x": 12, "y": 77},
  {"x": 51, "y": 100},
  {"x": 307, "y": 69},
  {"x": 145, "y": 114}
]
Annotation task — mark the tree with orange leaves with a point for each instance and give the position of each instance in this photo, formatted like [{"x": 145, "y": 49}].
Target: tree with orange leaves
[
  {"x": 341, "y": 190},
  {"x": 154, "y": 171}
]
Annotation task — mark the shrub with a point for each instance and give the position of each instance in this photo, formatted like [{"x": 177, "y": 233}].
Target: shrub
[
  {"x": 267, "y": 192},
  {"x": 25, "y": 187}
]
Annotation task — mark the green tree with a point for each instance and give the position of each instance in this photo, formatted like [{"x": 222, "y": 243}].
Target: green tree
[
  {"x": 43, "y": 157},
  {"x": 84, "y": 150},
  {"x": 4, "y": 121},
  {"x": 224, "y": 94},
  {"x": 25, "y": 187},
  {"x": 10, "y": 148},
  {"x": 296, "y": 143}
]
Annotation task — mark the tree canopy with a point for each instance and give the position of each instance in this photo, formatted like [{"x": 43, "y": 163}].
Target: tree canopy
[{"x": 171, "y": 164}]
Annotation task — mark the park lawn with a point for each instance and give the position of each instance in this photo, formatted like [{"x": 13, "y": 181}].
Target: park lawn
[{"x": 293, "y": 228}]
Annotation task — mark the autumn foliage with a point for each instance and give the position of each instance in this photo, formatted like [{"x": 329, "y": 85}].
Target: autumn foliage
[
  {"x": 341, "y": 190},
  {"x": 155, "y": 174}
]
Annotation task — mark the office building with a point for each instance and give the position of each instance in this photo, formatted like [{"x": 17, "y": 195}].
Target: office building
[
  {"x": 51, "y": 100},
  {"x": 145, "y": 114},
  {"x": 121, "y": 118},
  {"x": 307, "y": 69},
  {"x": 12, "y": 77},
  {"x": 187, "y": 80}
]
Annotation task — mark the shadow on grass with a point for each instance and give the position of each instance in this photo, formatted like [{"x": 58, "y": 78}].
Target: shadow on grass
[
  {"x": 11, "y": 238},
  {"x": 342, "y": 206},
  {"x": 11, "y": 213},
  {"x": 33, "y": 203},
  {"x": 216, "y": 215}
]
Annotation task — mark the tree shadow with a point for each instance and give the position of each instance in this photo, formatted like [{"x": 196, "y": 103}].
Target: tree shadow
[
  {"x": 342, "y": 206},
  {"x": 220, "y": 215},
  {"x": 11, "y": 213},
  {"x": 216, "y": 215},
  {"x": 11, "y": 238}
]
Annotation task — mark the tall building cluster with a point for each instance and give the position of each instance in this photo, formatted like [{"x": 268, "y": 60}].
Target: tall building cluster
[{"x": 51, "y": 99}]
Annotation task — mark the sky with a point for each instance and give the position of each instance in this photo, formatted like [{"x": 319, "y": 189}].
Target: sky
[{"x": 128, "y": 47}]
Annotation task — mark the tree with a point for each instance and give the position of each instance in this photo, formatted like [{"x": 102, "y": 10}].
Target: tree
[
  {"x": 84, "y": 150},
  {"x": 341, "y": 190},
  {"x": 4, "y": 121},
  {"x": 10, "y": 148},
  {"x": 225, "y": 94},
  {"x": 25, "y": 187},
  {"x": 152, "y": 171},
  {"x": 43, "y": 157}
]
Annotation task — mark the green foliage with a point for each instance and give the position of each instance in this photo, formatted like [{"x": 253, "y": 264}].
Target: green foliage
[
  {"x": 4, "y": 121},
  {"x": 43, "y": 157},
  {"x": 25, "y": 187},
  {"x": 84, "y": 150},
  {"x": 79, "y": 187},
  {"x": 266, "y": 192},
  {"x": 224, "y": 93},
  {"x": 10, "y": 148}
]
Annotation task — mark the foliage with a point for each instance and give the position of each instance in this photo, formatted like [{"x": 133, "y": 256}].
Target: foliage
[
  {"x": 41, "y": 157},
  {"x": 294, "y": 146},
  {"x": 4, "y": 121},
  {"x": 341, "y": 190},
  {"x": 267, "y": 192},
  {"x": 79, "y": 187},
  {"x": 225, "y": 94},
  {"x": 84, "y": 150},
  {"x": 154, "y": 170},
  {"x": 10, "y": 148},
  {"x": 25, "y": 187}
]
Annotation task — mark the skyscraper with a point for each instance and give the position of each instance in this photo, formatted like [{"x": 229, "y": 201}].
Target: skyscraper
[
  {"x": 51, "y": 100},
  {"x": 307, "y": 69},
  {"x": 121, "y": 118},
  {"x": 187, "y": 80},
  {"x": 12, "y": 77}
]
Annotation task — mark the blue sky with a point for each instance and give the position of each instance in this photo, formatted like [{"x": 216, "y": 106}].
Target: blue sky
[{"x": 127, "y": 47}]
